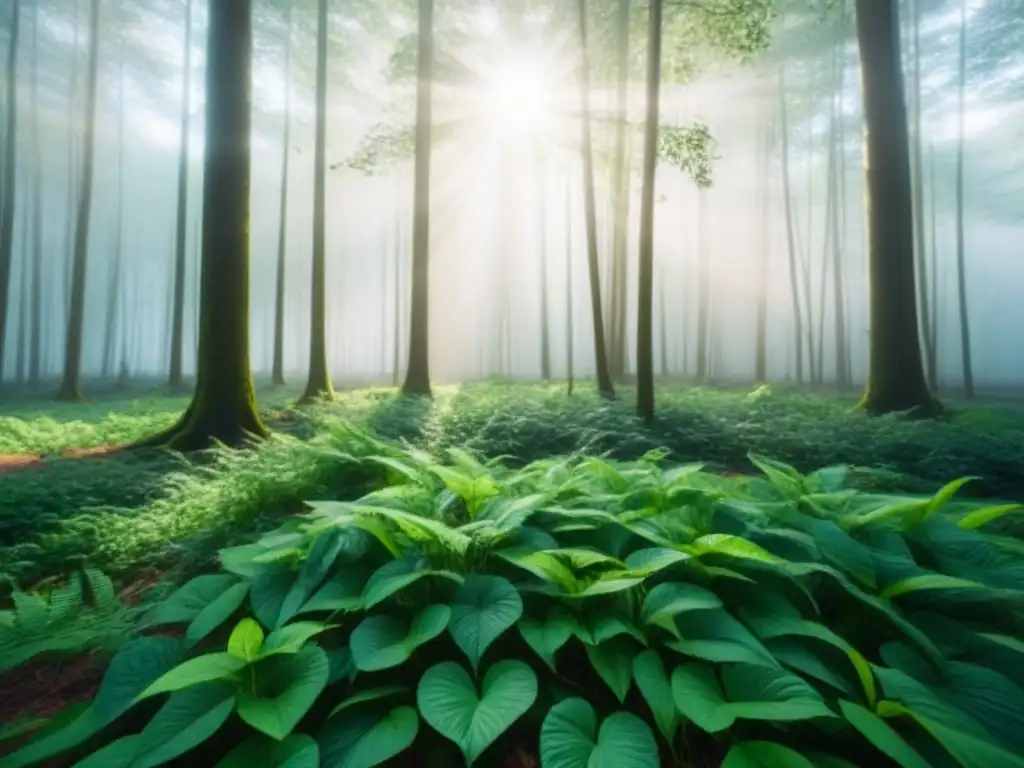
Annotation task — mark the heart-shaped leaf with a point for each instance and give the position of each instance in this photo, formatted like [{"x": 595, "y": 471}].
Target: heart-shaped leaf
[
  {"x": 613, "y": 662},
  {"x": 570, "y": 738},
  {"x": 484, "y": 608},
  {"x": 666, "y": 601},
  {"x": 216, "y": 613},
  {"x": 699, "y": 697},
  {"x": 449, "y": 702},
  {"x": 292, "y": 637},
  {"x": 653, "y": 682},
  {"x": 548, "y": 636},
  {"x": 190, "y": 600},
  {"x": 764, "y": 754},
  {"x": 382, "y": 642},
  {"x": 188, "y": 719},
  {"x": 363, "y": 738},
  {"x": 201, "y": 669},
  {"x": 397, "y": 575},
  {"x": 287, "y": 686},
  {"x": 365, "y": 697},
  {"x": 246, "y": 640},
  {"x": 296, "y": 751}
]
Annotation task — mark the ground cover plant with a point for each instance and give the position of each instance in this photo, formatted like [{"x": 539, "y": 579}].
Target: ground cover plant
[{"x": 585, "y": 610}]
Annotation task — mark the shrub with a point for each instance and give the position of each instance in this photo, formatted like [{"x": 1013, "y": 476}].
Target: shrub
[{"x": 593, "y": 612}]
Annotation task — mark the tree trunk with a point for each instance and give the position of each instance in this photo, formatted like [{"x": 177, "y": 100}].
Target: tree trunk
[
  {"x": 277, "y": 372},
  {"x": 662, "y": 326},
  {"x": 961, "y": 266},
  {"x": 645, "y": 295},
  {"x": 318, "y": 385},
  {"x": 73, "y": 169},
  {"x": 787, "y": 197},
  {"x": 223, "y": 406},
  {"x": 703, "y": 287},
  {"x": 619, "y": 278},
  {"x": 604, "y": 379},
  {"x": 396, "y": 349},
  {"x": 545, "y": 330},
  {"x": 839, "y": 195},
  {"x": 569, "y": 332},
  {"x": 69, "y": 388},
  {"x": 36, "y": 336},
  {"x": 9, "y": 180},
  {"x": 934, "y": 191},
  {"x": 175, "y": 380},
  {"x": 896, "y": 379},
  {"x": 114, "y": 299},
  {"x": 761, "y": 351},
  {"x": 417, "y": 376}
]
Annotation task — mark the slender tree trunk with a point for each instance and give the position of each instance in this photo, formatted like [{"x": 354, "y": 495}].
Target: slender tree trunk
[
  {"x": 223, "y": 406},
  {"x": 830, "y": 205},
  {"x": 896, "y": 379},
  {"x": 69, "y": 388},
  {"x": 9, "y": 179},
  {"x": 180, "y": 262},
  {"x": 761, "y": 352},
  {"x": 662, "y": 326},
  {"x": 114, "y": 299},
  {"x": 569, "y": 332},
  {"x": 620, "y": 202},
  {"x": 934, "y": 191},
  {"x": 645, "y": 295},
  {"x": 703, "y": 287},
  {"x": 318, "y": 385},
  {"x": 839, "y": 304},
  {"x": 417, "y": 377},
  {"x": 604, "y": 379},
  {"x": 21, "y": 352},
  {"x": 787, "y": 198},
  {"x": 277, "y": 373},
  {"x": 35, "y": 339},
  {"x": 396, "y": 349},
  {"x": 545, "y": 330},
  {"x": 961, "y": 266}
]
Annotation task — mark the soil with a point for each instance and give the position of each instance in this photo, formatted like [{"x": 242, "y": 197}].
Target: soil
[{"x": 13, "y": 462}]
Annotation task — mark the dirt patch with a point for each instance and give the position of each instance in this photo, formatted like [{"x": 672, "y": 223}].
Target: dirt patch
[
  {"x": 44, "y": 688},
  {"x": 15, "y": 462}
]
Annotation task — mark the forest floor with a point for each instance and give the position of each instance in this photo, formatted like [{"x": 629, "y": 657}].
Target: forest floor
[{"x": 150, "y": 519}]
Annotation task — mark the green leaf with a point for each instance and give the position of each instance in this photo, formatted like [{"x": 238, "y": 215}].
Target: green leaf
[
  {"x": 117, "y": 754},
  {"x": 268, "y": 593},
  {"x": 733, "y": 546},
  {"x": 342, "y": 593},
  {"x": 296, "y": 751},
  {"x": 928, "y": 581},
  {"x": 382, "y": 642},
  {"x": 216, "y": 613},
  {"x": 362, "y": 739},
  {"x": 287, "y": 686},
  {"x": 969, "y": 751},
  {"x": 947, "y": 492},
  {"x": 135, "y": 667},
  {"x": 484, "y": 608},
  {"x": 761, "y": 693},
  {"x": 292, "y": 637},
  {"x": 548, "y": 636},
  {"x": 666, "y": 601},
  {"x": 397, "y": 575},
  {"x": 364, "y": 697},
  {"x": 202, "y": 669},
  {"x": 189, "y": 600},
  {"x": 449, "y": 702},
  {"x": 246, "y": 640},
  {"x": 655, "y": 559},
  {"x": 881, "y": 735},
  {"x": 699, "y": 698},
  {"x": 979, "y": 517},
  {"x": 764, "y": 754},
  {"x": 188, "y": 719},
  {"x": 653, "y": 682},
  {"x": 570, "y": 738},
  {"x": 613, "y": 662}
]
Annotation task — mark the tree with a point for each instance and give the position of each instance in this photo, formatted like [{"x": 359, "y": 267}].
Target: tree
[
  {"x": 620, "y": 196},
  {"x": 7, "y": 186},
  {"x": 787, "y": 197},
  {"x": 417, "y": 374},
  {"x": 116, "y": 266},
  {"x": 277, "y": 373},
  {"x": 223, "y": 407},
  {"x": 645, "y": 311},
  {"x": 896, "y": 379},
  {"x": 318, "y": 385},
  {"x": 69, "y": 388},
  {"x": 36, "y": 334},
  {"x": 961, "y": 267},
  {"x": 545, "y": 330}
]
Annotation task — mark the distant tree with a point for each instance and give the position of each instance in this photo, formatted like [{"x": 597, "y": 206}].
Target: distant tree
[
  {"x": 896, "y": 378},
  {"x": 7, "y": 185},
  {"x": 223, "y": 405},
  {"x": 36, "y": 334},
  {"x": 417, "y": 375},
  {"x": 787, "y": 199},
  {"x": 277, "y": 371},
  {"x": 545, "y": 330},
  {"x": 618, "y": 283},
  {"x": 961, "y": 266}
]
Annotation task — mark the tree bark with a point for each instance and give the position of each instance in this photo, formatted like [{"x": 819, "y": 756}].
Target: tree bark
[
  {"x": 761, "y": 350},
  {"x": 619, "y": 277},
  {"x": 787, "y": 197},
  {"x": 277, "y": 370},
  {"x": 417, "y": 376},
  {"x": 36, "y": 335},
  {"x": 604, "y": 379},
  {"x": 318, "y": 384},
  {"x": 896, "y": 379},
  {"x": 9, "y": 180},
  {"x": 645, "y": 295},
  {"x": 839, "y": 195},
  {"x": 569, "y": 332},
  {"x": 545, "y": 330},
  {"x": 116, "y": 268},
  {"x": 397, "y": 301},
  {"x": 703, "y": 288},
  {"x": 961, "y": 266}
]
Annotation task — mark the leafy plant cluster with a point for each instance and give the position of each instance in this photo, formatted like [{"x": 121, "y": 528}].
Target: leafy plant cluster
[{"x": 591, "y": 611}]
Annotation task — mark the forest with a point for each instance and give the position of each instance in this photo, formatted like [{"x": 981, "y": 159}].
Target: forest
[{"x": 511, "y": 383}]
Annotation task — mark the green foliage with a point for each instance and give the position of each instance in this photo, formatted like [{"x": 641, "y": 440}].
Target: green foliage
[
  {"x": 621, "y": 613},
  {"x": 689, "y": 149}
]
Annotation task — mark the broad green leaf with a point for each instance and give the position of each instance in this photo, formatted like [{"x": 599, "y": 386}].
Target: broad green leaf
[
  {"x": 969, "y": 751},
  {"x": 292, "y": 637},
  {"x": 613, "y": 662},
  {"x": 342, "y": 593},
  {"x": 667, "y": 600},
  {"x": 548, "y": 636},
  {"x": 979, "y": 517},
  {"x": 448, "y": 700},
  {"x": 928, "y": 581},
  {"x": 570, "y": 738},
  {"x": 542, "y": 565},
  {"x": 720, "y": 651},
  {"x": 760, "y": 693},
  {"x": 881, "y": 735},
  {"x": 764, "y": 754},
  {"x": 216, "y": 613},
  {"x": 364, "y": 697},
  {"x": 187, "y": 719},
  {"x": 782, "y": 476},
  {"x": 732, "y": 546},
  {"x": 189, "y": 600},
  {"x": 382, "y": 642},
  {"x": 268, "y": 592},
  {"x": 608, "y": 584},
  {"x": 117, "y": 754},
  {"x": 483, "y": 609},
  {"x": 132, "y": 670},
  {"x": 202, "y": 669},
  {"x": 655, "y": 559},
  {"x": 600, "y": 626},
  {"x": 70, "y": 735},
  {"x": 397, "y": 575},
  {"x": 699, "y": 698},
  {"x": 296, "y": 751},
  {"x": 842, "y": 550},
  {"x": 947, "y": 492},
  {"x": 653, "y": 682},
  {"x": 362, "y": 739},
  {"x": 286, "y": 687},
  {"x": 799, "y": 654},
  {"x": 246, "y": 640}
]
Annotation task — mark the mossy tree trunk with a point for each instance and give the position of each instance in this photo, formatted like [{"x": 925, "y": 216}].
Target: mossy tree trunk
[
  {"x": 896, "y": 379},
  {"x": 69, "y": 388},
  {"x": 176, "y": 377},
  {"x": 7, "y": 186},
  {"x": 645, "y": 295},
  {"x": 417, "y": 374},
  {"x": 223, "y": 407},
  {"x": 318, "y": 385},
  {"x": 604, "y": 379},
  {"x": 277, "y": 372}
]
